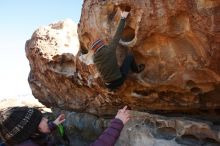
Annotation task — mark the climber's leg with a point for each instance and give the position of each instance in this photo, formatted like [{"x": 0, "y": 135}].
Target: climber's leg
[
  {"x": 129, "y": 63},
  {"x": 115, "y": 84}
]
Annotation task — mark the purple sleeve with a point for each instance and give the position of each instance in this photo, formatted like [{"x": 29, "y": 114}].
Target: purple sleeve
[
  {"x": 52, "y": 126},
  {"x": 27, "y": 143},
  {"x": 110, "y": 135}
]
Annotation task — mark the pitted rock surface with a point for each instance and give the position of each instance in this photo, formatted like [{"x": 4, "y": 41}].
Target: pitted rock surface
[{"x": 144, "y": 129}]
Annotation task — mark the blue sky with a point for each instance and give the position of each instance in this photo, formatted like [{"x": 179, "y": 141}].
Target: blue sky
[{"x": 19, "y": 19}]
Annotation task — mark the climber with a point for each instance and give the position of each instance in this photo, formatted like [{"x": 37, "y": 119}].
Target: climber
[
  {"x": 104, "y": 58},
  {"x": 24, "y": 126}
]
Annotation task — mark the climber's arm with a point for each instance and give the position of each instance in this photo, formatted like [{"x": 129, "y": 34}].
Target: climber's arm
[
  {"x": 113, "y": 44},
  {"x": 111, "y": 134}
]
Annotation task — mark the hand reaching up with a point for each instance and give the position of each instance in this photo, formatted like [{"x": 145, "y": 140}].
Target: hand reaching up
[
  {"x": 123, "y": 115},
  {"x": 60, "y": 119},
  {"x": 124, "y": 14}
]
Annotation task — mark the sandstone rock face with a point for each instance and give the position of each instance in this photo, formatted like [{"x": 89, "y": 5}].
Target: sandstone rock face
[
  {"x": 151, "y": 130},
  {"x": 178, "y": 41},
  {"x": 144, "y": 130}
]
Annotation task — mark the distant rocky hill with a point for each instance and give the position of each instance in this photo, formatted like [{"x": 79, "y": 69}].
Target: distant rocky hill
[{"x": 23, "y": 100}]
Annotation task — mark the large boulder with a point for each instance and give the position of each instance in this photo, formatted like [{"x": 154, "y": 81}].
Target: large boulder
[{"x": 178, "y": 41}]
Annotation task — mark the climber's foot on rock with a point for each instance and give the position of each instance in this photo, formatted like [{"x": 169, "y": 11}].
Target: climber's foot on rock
[{"x": 140, "y": 68}]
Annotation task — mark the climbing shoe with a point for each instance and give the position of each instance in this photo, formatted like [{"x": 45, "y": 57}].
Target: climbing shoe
[{"x": 140, "y": 68}]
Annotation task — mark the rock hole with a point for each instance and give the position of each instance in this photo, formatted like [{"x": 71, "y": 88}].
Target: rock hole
[
  {"x": 127, "y": 8},
  {"x": 148, "y": 122},
  {"x": 124, "y": 7},
  {"x": 128, "y": 34},
  {"x": 217, "y": 119},
  {"x": 196, "y": 90},
  {"x": 111, "y": 16},
  {"x": 190, "y": 84},
  {"x": 143, "y": 92},
  {"x": 83, "y": 49},
  {"x": 86, "y": 41},
  {"x": 167, "y": 133},
  {"x": 210, "y": 142},
  {"x": 137, "y": 126},
  {"x": 158, "y": 124},
  {"x": 190, "y": 140}
]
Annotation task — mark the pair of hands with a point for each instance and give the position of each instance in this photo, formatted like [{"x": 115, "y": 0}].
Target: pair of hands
[{"x": 123, "y": 115}]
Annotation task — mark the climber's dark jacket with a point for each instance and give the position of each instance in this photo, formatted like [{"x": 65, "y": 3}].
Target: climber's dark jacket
[{"x": 105, "y": 58}]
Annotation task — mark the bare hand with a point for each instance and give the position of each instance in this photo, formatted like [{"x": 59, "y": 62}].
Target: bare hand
[
  {"x": 124, "y": 14},
  {"x": 123, "y": 115},
  {"x": 60, "y": 119}
]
